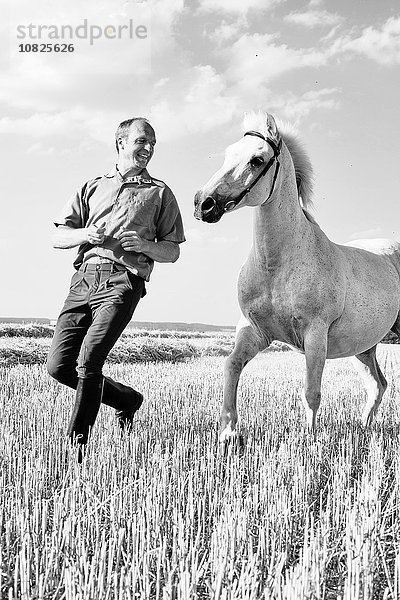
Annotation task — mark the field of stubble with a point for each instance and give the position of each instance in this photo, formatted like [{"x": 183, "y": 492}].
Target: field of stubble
[{"x": 158, "y": 514}]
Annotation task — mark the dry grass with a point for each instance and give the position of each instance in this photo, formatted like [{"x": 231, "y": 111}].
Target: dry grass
[
  {"x": 159, "y": 514},
  {"x": 27, "y": 350}
]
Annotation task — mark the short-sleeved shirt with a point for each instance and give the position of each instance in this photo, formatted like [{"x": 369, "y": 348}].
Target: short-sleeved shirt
[{"x": 139, "y": 203}]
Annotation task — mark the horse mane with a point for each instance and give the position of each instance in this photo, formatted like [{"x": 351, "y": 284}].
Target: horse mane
[{"x": 257, "y": 121}]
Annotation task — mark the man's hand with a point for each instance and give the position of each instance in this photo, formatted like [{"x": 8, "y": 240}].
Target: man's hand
[
  {"x": 95, "y": 235},
  {"x": 162, "y": 251},
  {"x": 132, "y": 242}
]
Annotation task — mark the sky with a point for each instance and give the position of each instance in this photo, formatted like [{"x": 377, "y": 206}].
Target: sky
[{"x": 329, "y": 67}]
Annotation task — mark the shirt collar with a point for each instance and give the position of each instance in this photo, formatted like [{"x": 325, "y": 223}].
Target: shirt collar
[{"x": 143, "y": 176}]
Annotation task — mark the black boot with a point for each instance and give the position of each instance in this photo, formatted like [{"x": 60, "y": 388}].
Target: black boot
[
  {"x": 87, "y": 405},
  {"x": 124, "y": 399}
]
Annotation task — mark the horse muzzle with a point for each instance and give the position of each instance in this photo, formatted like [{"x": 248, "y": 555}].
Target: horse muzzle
[{"x": 207, "y": 209}]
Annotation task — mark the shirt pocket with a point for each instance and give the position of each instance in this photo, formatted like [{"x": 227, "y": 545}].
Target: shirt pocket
[{"x": 140, "y": 214}]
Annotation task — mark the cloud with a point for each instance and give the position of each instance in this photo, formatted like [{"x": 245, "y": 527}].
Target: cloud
[
  {"x": 75, "y": 124},
  {"x": 254, "y": 60},
  {"x": 228, "y": 31},
  {"x": 330, "y": 35},
  {"x": 237, "y": 6},
  {"x": 180, "y": 96},
  {"x": 209, "y": 105},
  {"x": 191, "y": 102},
  {"x": 296, "y": 107},
  {"x": 182, "y": 105},
  {"x": 54, "y": 83},
  {"x": 381, "y": 45},
  {"x": 164, "y": 15},
  {"x": 197, "y": 103},
  {"x": 314, "y": 18},
  {"x": 87, "y": 31},
  {"x": 41, "y": 149},
  {"x": 39, "y": 125}
]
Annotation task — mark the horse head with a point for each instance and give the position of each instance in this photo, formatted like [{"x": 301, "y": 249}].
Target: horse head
[{"x": 251, "y": 164}]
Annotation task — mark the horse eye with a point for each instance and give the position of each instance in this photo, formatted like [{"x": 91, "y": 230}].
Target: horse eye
[{"x": 256, "y": 161}]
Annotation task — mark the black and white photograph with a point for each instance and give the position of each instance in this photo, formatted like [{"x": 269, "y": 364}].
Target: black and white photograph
[{"x": 200, "y": 317}]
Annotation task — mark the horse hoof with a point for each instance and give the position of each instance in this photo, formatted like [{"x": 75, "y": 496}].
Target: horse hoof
[{"x": 231, "y": 444}]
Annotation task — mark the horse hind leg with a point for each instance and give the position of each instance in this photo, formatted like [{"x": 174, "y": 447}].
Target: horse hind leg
[
  {"x": 396, "y": 326},
  {"x": 374, "y": 381},
  {"x": 247, "y": 345}
]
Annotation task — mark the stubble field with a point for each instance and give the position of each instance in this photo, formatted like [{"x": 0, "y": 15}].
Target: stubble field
[{"x": 159, "y": 514}]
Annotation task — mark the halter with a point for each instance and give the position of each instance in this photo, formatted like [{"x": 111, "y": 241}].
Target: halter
[{"x": 275, "y": 158}]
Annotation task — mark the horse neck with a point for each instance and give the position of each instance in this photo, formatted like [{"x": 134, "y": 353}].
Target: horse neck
[{"x": 280, "y": 226}]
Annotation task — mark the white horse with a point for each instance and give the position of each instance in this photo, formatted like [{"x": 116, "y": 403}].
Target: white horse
[{"x": 323, "y": 299}]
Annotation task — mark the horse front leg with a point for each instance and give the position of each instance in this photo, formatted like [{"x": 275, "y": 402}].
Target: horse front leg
[
  {"x": 315, "y": 347},
  {"x": 247, "y": 345}
]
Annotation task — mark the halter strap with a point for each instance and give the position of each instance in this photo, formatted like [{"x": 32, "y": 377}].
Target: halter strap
[
  {"x": 275, "y": 147},
  {"x": 275, "y": 158}
]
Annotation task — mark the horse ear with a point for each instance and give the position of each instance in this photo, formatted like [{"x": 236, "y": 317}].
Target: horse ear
[{"x": 272, "y": 127}]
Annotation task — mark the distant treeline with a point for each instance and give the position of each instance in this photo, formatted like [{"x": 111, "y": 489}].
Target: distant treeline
[
  {"x": 147, "y": 325},
  {"x": 39, "y": 330}
]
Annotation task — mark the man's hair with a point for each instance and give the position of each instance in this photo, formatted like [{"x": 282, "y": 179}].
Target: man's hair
[{"x": 124, "y": 128}]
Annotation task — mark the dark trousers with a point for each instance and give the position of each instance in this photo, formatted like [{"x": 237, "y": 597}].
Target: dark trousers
[{"x": 100, "y": 303}]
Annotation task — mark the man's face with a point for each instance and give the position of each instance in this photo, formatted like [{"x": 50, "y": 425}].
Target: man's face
[{"x": 138, "y": 147}]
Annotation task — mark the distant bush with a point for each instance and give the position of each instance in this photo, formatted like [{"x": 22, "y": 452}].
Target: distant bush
[{"x": 26, "y": 330}]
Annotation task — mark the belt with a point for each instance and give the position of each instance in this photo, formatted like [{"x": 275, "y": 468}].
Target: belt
[
  {"x": 99, "y": 259},
  {"x": 102, "y": 265}
]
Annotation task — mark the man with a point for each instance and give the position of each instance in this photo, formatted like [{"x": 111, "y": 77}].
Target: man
[{"x": 122, "y": 223}]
